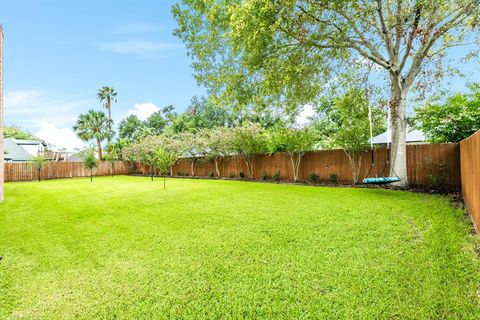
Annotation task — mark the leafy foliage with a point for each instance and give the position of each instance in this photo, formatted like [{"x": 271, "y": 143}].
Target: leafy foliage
[
  {"x": 89, "y": 160},
  {"x": 248, "y": 140},
  {"x": 293, "y": 141},
  {"x": 130, "y": 127},
  {"x": 352, "y": 129},
  {"x": 93, "y": 125},
  {"x": 17, "y": 133},
  {"x": 38, "y": 163},
  {"x": 107, "y": 95},
  {"x": 452, "y": 121},
  {"x": 285, "y": 53}
]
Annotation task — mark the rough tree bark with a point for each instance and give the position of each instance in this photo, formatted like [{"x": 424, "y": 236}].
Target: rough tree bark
[
  {"x": 217, "y": 160},
  {"x": 99, "y": 148},
  {"x": 295, "y": 158},
  {"x": 398, "y": 134},
  {"x": 250, "y": 161}
]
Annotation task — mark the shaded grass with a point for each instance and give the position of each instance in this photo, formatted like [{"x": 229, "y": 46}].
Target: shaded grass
[{"x": 124, "y": 248}]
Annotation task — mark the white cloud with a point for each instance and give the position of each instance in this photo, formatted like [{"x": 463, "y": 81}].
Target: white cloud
[
  {"x": 35, "y": 105},
  {"x": 48, "y": 117},
  {"x": 14, "y": 100},
  {"x": 143, "y": 110},
  {"x": 59, "y": 137},
  {"x": 137, "y": 46},
  {"x": 304, "y": 117}
]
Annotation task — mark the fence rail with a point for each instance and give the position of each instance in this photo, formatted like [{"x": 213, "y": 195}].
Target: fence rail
[
  {"x": 437, "y": 164},
  {"x": 470, "y": 167},
  {"x": 427, "y": 164},
  {"x": 57, "y": 170}
]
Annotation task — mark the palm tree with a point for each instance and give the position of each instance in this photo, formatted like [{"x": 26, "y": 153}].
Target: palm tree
[
  {"x": 93, "y": 125},
  {"x": 106, "y": 95}
]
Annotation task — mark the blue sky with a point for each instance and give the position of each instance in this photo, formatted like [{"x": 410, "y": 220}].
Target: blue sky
[{"x": 57, "y": 53}]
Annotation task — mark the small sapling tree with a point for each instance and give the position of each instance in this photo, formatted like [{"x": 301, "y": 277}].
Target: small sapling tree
[
  {"x": 217, "y": 142},
  {"x": 89, "y": 160},
  {"x": 39, "y": 163},
  {"x": 248, "y": 141},
  {"x": 165, "y": 158},
  {"x": 293, "y": 141}
]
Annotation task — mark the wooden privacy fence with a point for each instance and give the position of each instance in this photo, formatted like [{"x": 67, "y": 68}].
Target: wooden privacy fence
[
  {"x": 427, "y": 164},
  {"x": 57, "y": 170},
  {"x": 470, "y": 166}
]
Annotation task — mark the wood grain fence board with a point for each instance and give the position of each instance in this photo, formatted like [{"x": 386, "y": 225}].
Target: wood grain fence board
[
  {"x": 327, "y": 162},
  {"x": 323, "y": 163},
  {"x": 470, "y": 176},
  {"x": 57, "y": 170}
]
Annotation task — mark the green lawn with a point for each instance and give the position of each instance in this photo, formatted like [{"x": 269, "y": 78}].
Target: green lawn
[{"x": 125, "y": 248}]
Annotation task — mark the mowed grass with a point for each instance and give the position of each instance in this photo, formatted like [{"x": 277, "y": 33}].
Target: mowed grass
[{"x": 125, "y": 248}]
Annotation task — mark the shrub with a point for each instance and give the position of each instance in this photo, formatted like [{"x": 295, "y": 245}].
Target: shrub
[
  {"x": 211, "y": 174},
  {"x": 264, "y": 175},
  {"x": 333, "y": 177},
  {"x": 276, "y": 176},
  {"x": 242, "y": 175},
  {"x": 314, "y": 178},
  {"x": 437, "y": 172},
  {"x": 232, "y": 175}
]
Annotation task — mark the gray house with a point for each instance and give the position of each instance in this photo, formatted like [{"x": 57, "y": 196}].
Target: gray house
[
  {"x": 413, "y": 137},
  {"x": 17, "y": 150}
]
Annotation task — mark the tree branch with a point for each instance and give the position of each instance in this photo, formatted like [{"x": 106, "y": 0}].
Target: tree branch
[{"x": 384, "y": 32}]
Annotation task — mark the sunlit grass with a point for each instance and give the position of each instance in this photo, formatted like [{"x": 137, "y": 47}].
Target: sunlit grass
[{"x": 125, "y": 248}]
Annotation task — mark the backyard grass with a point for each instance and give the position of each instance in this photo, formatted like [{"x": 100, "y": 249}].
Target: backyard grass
[{"x": 125, "y": 248}]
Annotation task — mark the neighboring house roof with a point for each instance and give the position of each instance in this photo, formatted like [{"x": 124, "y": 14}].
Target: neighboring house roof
[
  {"x": 15, "y": 151},
  {"x": 30, "y": 142},
  {"x": 6, "y": 157},
  {"x": 412, "y": 136},
  {"x": 76, "y": 157}
]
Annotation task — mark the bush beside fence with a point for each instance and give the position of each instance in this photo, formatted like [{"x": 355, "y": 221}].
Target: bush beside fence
[
  {"x": 428, "y": 164},
  {"x": 470, "y": 167}
]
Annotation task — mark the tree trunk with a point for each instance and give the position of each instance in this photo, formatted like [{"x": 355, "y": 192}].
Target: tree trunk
[
  {"x": 398, "y": 127},
  {"x": 355, "y": 160},
  {"x": 113, "y": 169},
  {"x": 99, "y": 148},
  {"x": 250, "y": 161},
  {"x": 295, "y": 158},
  {"x": 217, "y": 171},
  {"x": 193, "y": 166},
  {"x": 109, "y": 116},
  {"x": 39, "y": 174},
  {"x": 91, "y": 174}
]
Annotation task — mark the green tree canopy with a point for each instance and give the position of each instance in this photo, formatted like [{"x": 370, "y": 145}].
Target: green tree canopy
[
  {"x": 248, "y": 140},
  {"x": 266, "y": 53},
  {"x": 452, "y": 121},
  {"x": 352, "y": 128},
  {"x": 89, "y": 160},
  {"x": 93, "y": 125},
  {"x": 17, "y": 133},
  {"x": 130, "y": 127},
  {"x": 293, "y": 141}
]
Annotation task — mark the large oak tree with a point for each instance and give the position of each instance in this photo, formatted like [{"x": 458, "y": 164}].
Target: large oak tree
[{"x": 268, "y": 52}]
